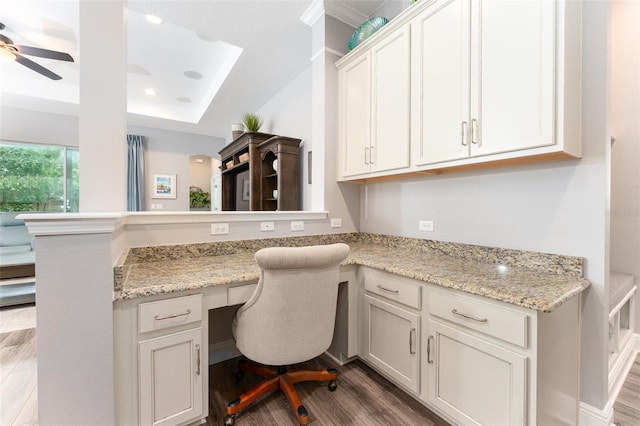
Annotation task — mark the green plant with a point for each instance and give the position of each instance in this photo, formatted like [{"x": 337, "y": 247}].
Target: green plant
[
  {"x": 199, "y": 198},
  {"x": 252, "y": 122}
]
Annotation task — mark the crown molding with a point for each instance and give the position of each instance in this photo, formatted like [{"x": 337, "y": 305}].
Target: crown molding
[{"x": 338, "y": 10}]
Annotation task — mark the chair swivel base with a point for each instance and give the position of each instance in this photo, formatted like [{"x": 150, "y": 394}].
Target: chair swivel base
[{"x": 278, "y": 378}]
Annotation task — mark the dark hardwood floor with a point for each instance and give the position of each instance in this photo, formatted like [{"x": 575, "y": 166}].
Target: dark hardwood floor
[{"x": 363, "y": 397}]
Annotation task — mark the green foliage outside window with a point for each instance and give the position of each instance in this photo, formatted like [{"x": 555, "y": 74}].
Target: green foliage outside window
[{"x": 32, "y": 178}]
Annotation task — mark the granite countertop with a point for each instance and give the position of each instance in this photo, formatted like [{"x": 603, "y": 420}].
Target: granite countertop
[{"x": 532, "y": 280}]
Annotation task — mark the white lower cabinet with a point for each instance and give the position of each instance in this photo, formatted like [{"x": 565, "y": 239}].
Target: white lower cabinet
[
  {"x": 161, "y": 360},
  {"x": 474, "y": 381},
  {"x": 470, "y": 359},
  {"x": 391, "y": 341},
  {"x": 170, "y": 369}
]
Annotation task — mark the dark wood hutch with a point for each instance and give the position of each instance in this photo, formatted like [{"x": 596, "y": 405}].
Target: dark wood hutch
[{"x": 250, "y": 158}]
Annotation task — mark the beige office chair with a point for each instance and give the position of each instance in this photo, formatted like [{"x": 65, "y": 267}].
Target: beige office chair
[{"x": 289, "y": 319}]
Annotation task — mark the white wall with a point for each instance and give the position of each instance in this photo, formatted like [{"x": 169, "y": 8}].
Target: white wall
[
  {"x": 168, "y": 152},
  {"x": 625, "y": 152},
  {"x": 23, "y": 125},
  {"x": 391, "y": 8},
  {"x": 555, "y": 208}
]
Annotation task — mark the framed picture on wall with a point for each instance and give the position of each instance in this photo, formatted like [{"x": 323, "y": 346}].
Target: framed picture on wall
[{"x": 164, "y": 186}]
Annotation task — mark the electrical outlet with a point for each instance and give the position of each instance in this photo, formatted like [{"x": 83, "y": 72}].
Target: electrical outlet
[
  {"x": 336, "y": 223},
  {"x": 297, "y": 226},
  {"x": 267, "y": 226},
  {"x": 159, "y": 206},
  {"x": 425, "y": 225},
  {"x": 219, "y": 228}
]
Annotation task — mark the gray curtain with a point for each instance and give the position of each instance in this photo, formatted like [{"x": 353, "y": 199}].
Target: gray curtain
[{"x": 135, "y": 173}]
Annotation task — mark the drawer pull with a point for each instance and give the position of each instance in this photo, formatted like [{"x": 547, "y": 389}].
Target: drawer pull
[
  {"x": 471, "y": 317},
  {"x": 198, "y": 360},
  {"x": 159, "y": 318},
  {"x": 429, "y": 340},
  {"x": 412, "y": 333},
  {"x": 388, "y": 289}
]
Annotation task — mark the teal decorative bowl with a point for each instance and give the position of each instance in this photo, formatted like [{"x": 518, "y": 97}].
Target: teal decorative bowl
[{"x": 365, "y": 30}]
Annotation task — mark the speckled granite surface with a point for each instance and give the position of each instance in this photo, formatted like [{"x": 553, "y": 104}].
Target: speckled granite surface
[{"x": 537, "y": 281}]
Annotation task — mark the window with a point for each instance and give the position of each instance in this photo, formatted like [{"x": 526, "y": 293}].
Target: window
[{"x": 36, "y": 177}]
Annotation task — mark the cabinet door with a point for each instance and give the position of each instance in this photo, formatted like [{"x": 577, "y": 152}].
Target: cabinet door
[
  {"x": 512, "y": 79},
  {"x": 440, "y": 81},
  {"x": 474, "y": 381},
  {"x": 391, "y": 341},
  {"x": 171, "y": 378},
  {"x": 390, "y": 61},
  {"x": 355, "y": 116}
]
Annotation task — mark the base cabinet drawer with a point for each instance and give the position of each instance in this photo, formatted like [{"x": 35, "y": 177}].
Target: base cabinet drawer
[
  {"x": 474, "y": 381},
  {"x": 171, "y": 370},
  {"x": 392, "y": 341}
]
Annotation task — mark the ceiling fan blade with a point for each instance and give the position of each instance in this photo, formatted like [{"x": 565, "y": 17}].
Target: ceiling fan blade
[
  {"x": 36, "y": 67},
  {"x": 44, "y": 53}
]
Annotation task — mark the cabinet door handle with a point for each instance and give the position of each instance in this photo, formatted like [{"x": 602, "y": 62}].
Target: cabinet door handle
[
  {"x": 160, "y": 318},
  {"x": 471, "y": 317},
  {"x": 429, "y": 340},
  {"x": 463, "y": 133},
  {"x": 388, "y": 289},
  {"x": 474, "y": 131},
  {"x": 412, "y": 334},
  {"x": 198, "y": 360}
]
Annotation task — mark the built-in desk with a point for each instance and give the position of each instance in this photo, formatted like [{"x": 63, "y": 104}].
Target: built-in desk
[{"x": 523, "y": 304}]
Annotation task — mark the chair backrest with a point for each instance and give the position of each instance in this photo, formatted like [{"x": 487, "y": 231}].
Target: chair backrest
[{"x": 291, "y": 315}]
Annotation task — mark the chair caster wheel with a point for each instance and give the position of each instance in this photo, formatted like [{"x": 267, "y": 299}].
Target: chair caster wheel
[
  {"x": 230, "y": 420},
  {"x": 332, "y": 386},
  {"x": 239, "y": 375}
]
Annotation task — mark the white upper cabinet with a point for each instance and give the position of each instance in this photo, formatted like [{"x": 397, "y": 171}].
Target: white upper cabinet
[
  {"x": 391, "y": 92},
  {"x": 374, "y": 103},
  {"x": 486, "y": 73},
  {"x": 488, "y": 82},
  {"x": 512, "y": 81},
  {"x": 440, "y": 68},
  {"x": 355, "y": 116}
]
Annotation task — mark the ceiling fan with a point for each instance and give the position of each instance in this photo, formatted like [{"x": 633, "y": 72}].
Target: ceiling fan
[{"x": 14, "y": 52}]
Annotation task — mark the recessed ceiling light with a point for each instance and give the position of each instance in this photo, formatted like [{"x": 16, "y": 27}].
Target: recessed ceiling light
[
  {"x": 150, "y": 91},
  {"x": 193, "y": 74},
  {"x": 183, "y": 99},
  {"x": 153, "y": 19}
]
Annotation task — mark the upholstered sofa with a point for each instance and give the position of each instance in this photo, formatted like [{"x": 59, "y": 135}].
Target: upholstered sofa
[{"x": 17, "y": 261}]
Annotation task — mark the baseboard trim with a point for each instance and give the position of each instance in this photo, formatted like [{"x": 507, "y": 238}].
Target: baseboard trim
[
  {"x": 222, "y": 351},
  {"x": 621, "y": 366},
  {"x": 591, "y": 416}
]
